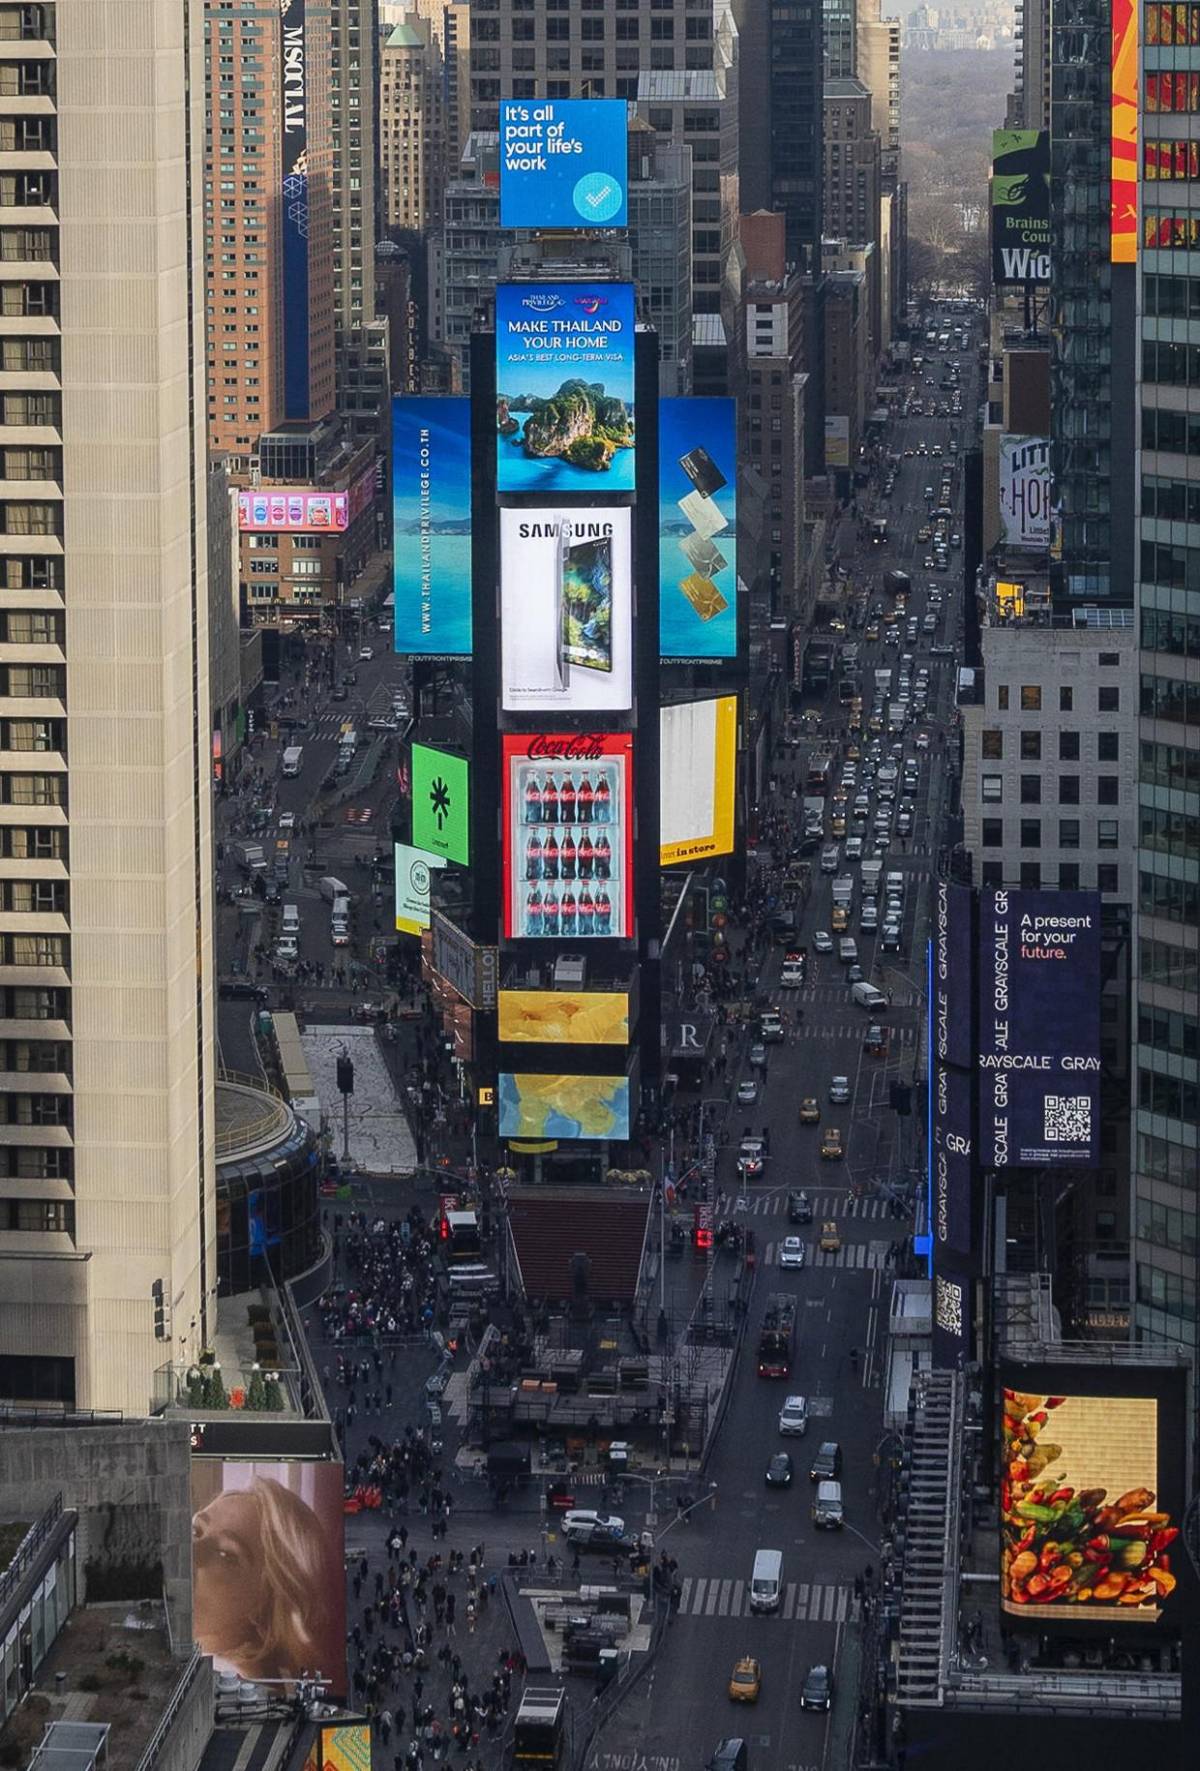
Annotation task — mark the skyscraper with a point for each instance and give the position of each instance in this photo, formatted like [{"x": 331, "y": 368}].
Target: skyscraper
[{"x": 106, "y": 1164}]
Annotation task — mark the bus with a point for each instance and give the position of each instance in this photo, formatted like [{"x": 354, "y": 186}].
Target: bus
[
  {"x": 819, "y": 775},
  {"x": 539, "y": 1732},
  {"x": 777, "y": 1339}
]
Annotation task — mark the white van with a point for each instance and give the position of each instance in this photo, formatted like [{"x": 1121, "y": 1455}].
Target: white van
[
  {"x": 766, "y": 1582},
  {"x": 339, "y": 922},
  {"x": 293, "y": 759},
  {"x": 332, "y": 888},
  {"x": 867, "y": 996},
  {"x": 290, "y": 920}
]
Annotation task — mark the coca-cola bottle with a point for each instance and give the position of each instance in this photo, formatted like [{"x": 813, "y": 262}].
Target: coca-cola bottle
[
  {"x": 533, "y": 912},
  {"x": 586, "y": 854},
  {"x": 550, "y": 857},
  {"x": 566, "y": 800},
  {"x": 533, "y": 801},
  {"x": 550, "y": 914},
  {"x": 567, "y": 855},
  {"x": 587, "y": 912},
  {"x": 550, "y": 801},
  {"x": 585, "y": 799},
  {"x": 533, "y": 856},
  {"x": 603, "y": 912},
  {"x": 603, "y": 801},
  {"x": 603, "y": 858},
  {"x": 568, "y": 912}
]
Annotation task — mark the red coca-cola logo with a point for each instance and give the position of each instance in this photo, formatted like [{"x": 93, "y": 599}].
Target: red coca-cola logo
[{"x": 581, "y": 747}]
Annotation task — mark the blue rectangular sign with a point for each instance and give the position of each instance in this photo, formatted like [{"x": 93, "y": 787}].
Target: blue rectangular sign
[
  {"x": 563, "y": 163},
  {"x": 697, "y": 528},
  {"x": 564, "y": 388},
  {"x": 953, "y": 997},
  {"x": 431, "y": 525},
  {"x": 1039, "y": 1029}
]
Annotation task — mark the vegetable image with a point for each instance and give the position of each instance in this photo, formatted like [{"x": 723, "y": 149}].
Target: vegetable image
[{"x": 1066, "y": 1545}]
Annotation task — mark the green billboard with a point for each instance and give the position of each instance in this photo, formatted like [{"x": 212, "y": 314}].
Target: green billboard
[{"x": 441, "y": 804}]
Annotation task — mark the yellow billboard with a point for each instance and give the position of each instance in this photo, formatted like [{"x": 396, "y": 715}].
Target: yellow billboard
[
  {"x": 346, "y": 1748},
  {"x": 564, "y": 1017},
  {"x": 698, "y": 773}
]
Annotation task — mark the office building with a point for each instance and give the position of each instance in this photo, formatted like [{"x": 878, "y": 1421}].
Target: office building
[
  {"x": 413, "y": 138},
  {"x": 107, "y": 1205},
  {"x": 660, "y": 233},
  {"x": 853, "y": 185},
  {"x": 1029, "y": 101},
  {"x": 849, "y": 370},
  {"x": 1166, "y": 1140},
  {"x": 450, "y": 23},
  {"x": 360, "y": 338}
]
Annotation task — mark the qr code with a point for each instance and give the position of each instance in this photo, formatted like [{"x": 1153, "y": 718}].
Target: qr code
[
  {"x": 1068, "y": 1119},
  {"x": 949, "y": 1306}
]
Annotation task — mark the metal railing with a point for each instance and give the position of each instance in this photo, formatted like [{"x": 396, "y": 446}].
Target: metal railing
[
  {"x": 158, "y": 1740},
  {"x": 28, "y": 1548}
]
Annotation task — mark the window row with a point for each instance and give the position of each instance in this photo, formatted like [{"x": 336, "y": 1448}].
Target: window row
[
  {"x": 38, "y": 1215},
  {"x": 1030, "y": 745},
  {"x": 1170, "y": 833},
  {"x": 1161, "y": 1160},
  {"x": 1175, "y": 26},
  {"x": 1168, "y": 230},
  {"x": 1176, "y": 967},
  {"x": 1168, "y": 1293},
  {"x": 1067, "y": 834},
  {"x": 1173, "y": 365},
  {"x": 1108, "y": 696},
  {"x": 1169, "y": 765},
  {"x": 1176, "y": 900},
  {"x": 1171, "y": 298},
  {"x": 34, "y": 1057},
  {"x": 1170, "y": 160},
  {"x": 1108, "y": 790},
  {"x": 1171, "y": 1096},
  {"x": 1167, "y": 1031},
  {"x": 1166, "y": 1226},
  {"x": 1032, "y": 877},
  {"x": 37, "y": 950},
  {"x": 1175, "y": 91},
  {"x": 31, "y": 627},
  {"x": 36, "y": 682},
  {"x": 1166, "y": 697},
  {"x": 1172, "y": 567},
  {"x": 22, "y": 1002}
]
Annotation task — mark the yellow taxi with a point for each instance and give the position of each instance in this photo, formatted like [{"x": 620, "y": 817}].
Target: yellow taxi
[
  {"x": 872, "y": 631},
  {"x": 840, "y": 916},
  {"x": 745, "y": 1682},
  {"x": 837, "y": 824},
  {"x": 810, "y": 1112},
  {"x": 832, "y": 1149},
  {"x": 853, "y": 754},
  {"x": 830, "y": 1239}
]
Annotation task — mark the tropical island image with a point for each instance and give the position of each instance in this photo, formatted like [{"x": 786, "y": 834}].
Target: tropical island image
[{"x": 580, "y": 424}]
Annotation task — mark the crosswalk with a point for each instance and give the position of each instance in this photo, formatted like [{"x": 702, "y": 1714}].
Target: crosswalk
[
  {"x": 824, "y": 1205},
  {"x": 843, "y": 1030},
  {"x": 801, "y": 1603},
  {"x": 857, "y": 1255}
]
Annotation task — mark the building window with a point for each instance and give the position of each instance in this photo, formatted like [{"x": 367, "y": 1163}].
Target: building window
[
  {"x": 1066, "y": 700},
  {"x": 1108, "y": 698},
  {"x": 993, "y": 833},
  {"x": 1108, "y": 833},
  {"x": 1068, "y": 876},
  {"x": 1108, "y": 877},
  {"x": 1031, "y": 833},
  {"x": 1031, "y": 698},
  {"x": 1108, "y": 790},
  {"x": 1031, "y": 876},
  {"x": 1108, "y": 747},
  {"x": 1068, "y": 833},
  {"x": 991, "y": 789},
  {"x": 1068, "y": 747},
  {"x": 1031, "y": 790},
  {"x": 991, "y": 744},
  {"x": 991, "y": 873},
  {"x": 1031, "y": 745},
  {"x": 1002, "y": 697},
  {"x": 1068, "y": 790}
]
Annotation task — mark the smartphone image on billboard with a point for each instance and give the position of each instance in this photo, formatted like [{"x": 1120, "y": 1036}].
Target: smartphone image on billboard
[
  {"x": 586, "y": 589},
  {"x": 702, "y": 471}
]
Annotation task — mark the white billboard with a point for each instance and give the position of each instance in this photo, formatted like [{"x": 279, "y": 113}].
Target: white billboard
[
  {"x": 697, "y": 773},
  {"x": 566, "y": 609},
  {"x": 1025, "y": 492}
]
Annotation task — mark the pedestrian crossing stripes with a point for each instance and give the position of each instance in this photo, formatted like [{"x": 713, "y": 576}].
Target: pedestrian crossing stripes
[
  {"x": 820, "y": 1603},
  {"x": 852, "y": 1254},
  {"x": 842, "y": 1030},
  {"x": 824, "y": 1205}
]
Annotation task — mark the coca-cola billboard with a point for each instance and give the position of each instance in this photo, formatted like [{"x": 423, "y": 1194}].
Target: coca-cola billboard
[{"x": 568, "y": 836}]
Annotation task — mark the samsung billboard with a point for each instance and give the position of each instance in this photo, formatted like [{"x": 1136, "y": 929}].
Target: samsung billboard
[
  {"x": 952, "y": 996},
  {"x": 1039, "y": 1029},
  {"x": 566, "y": 609},
  {"x": 563, "y": 163}
]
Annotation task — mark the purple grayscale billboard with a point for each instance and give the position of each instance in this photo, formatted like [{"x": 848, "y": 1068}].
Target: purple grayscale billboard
[
  {"x": 953, "y": 975},
  {"x": 951, "y": 1160}
]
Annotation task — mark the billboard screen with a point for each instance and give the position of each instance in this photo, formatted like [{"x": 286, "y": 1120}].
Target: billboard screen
[
  {"x": 697, "y": 775},
  {"x": 431, "y": 526},
  {"x": 566, "y": 609},
  {"x": 293, "y": 99},
  {"x": 344, "y": 1747},
  {"x": 563, "y": 1106},
  {"x": 1025, "y": 492},
  {"x": 563, "y": 163},
  {"x": 1020, "y": 207},
  {"x": 441, "y": 804},
  {"x": 952, "y": 998},
  {"x": 837, "y": 440},
  {"x": 1039, "y": 1028},
  {"x": 564, "y": 1017},
  {"x": 951, "y": 1166},
  {"x": 413, "y": 878},
  {"x": 697, "y": 528},
  {"x": 564, "y": 388},
  {"x": 268, "y": 1588},
  {"x": 1091, "y": 1493},
  {"x": 951, "y": 1318},
  {"x": 1124, "y": 132},
  {"x": 568, "y": 835}
]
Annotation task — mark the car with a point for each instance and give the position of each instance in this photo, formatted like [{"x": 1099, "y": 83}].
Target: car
[
  {"x": 839, "y": 916},
  {"x": 780, "y": 1470},
  {"x": 823, "y": 941},
  {"x": 839, "y": 1090},
  {"x": 832, "y": 1149},
  {"x": 791, "y": 975},
  {"x": 922, "y": 740},
  {"x": 770, "y": 1027},
  {"x": 758, "y": 1055},
  {"x": 581, "y": 1523},
  {"x": 941, "y": 650},
  {"x": 854, "y": 848},
  {"x": 826, "y": 1465},
  {"x": 875, "y": 1041},
  {"x": 816, "y": 1693},
  {"x": 745, "y": 1681},
  {"x": 384, "y": 723},
  {"x": 287, "y": 947},
  {"x": 243, "y": 990},
  {"x": 793, "y": 1417},
  {"x": 872, "y": 630},
  {"x": 854, "y": 974},
  {"x": 791, "y": 1252},
  {"x": 747, "y": 1092},
  {"x": 799, "y": 1207},
  {"x": 751, "y": 1158},
  {"x": 889, "y": 937},
  {"x": 868, "y": 920},
  {"x": 830, "y": 1240},
  {"x": 904, "y": 824},
  {"x": 830, "y": 858},
  {"x": 287, "y": 820},
  {"x": 956, "y": 539},
  {"x": 810, "y": 1112},
  {"x": 340, "y": 693},
  {"x": 365, "y": 654}
]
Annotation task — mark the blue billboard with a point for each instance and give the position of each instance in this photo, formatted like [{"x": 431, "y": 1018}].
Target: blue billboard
[
  {"x": 293, "y": 100},
  {"x": 431, "y": 525},
  {"x": 953, "y": 998},
  {"x": 697, "y": 528},
  {"x": 951, "y": 1160},
  {"x": 563, "y": 163},
  {"x": 564, "y": 388},
  {"x": 1039, "y": 1029}
]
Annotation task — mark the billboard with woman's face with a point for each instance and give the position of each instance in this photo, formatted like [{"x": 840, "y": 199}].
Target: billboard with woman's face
[{"x": 268, "y": 1588}]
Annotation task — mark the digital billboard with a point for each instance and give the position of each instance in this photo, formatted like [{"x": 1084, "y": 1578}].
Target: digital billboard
[
  {"x": 952, "y": 997},
  {"x": 293, "y": 100},
  {"x": 268, "y": 1589},
  {"x": 345, "y": 1746},
  {"x": 413, "y": 879},
  {"x": 563, "y": 163},
  {"x": 697, "y": 528},
  {"x": 1025, "y": 499},
  {"x": 303, "y": 510},
  {"x": 564, "y": 388},
  {"x": 951, "y": 1317},
  {"x": 564, "y": 1017},
  {"x": 441, "y": 822},
  {"x": 563, "y": 1106},
  {"x": 1091, "y": 1493},
  {"x": 431, "y": 526},
  {"x": 566, "y": 609},
  {"x": 951, "y": 1166},
  {"x": 1039, "y": 1029},
  {"x": 697, "y": 777},
  {"x": 837, "y": 439},
  {"x": 568, "y": 835},
  {"x": 1123, "y": 231},
  {"x": 1020, "y": 207}
]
